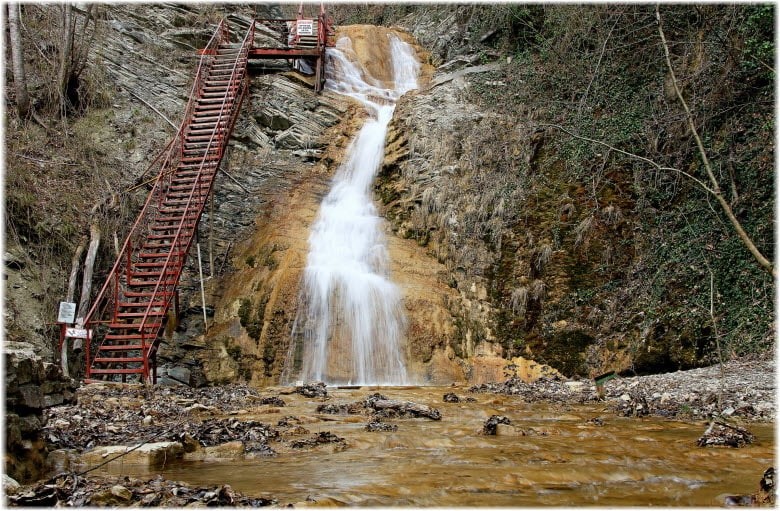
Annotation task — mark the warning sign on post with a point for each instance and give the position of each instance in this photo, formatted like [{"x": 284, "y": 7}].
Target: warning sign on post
[
  {"x": 67, "y": 312},
  {"x": 305, "y": 27}
]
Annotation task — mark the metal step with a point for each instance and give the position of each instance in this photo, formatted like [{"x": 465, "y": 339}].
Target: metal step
[
  {"x": 131, "y": 305},
  {"x": 147, "y": 294},
  {"x": 135, "y": 326},
  {"x": 138, "y": 370},
  {"x": 124, "y": 360}
]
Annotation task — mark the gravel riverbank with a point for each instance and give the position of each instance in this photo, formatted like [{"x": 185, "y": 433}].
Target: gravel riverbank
[{"x": 747, "y": 391}]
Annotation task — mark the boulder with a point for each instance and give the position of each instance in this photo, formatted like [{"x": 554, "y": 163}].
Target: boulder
[
  {"x": 491, "y": 425},
  {"x": 152, "y": 455},
  {"x": 227, "y": 451}
]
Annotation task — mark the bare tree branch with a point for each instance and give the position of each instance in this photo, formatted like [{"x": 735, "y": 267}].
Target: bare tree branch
[
  {"x": 650, "y": 162},
  {"x": 598, "y": 63},
  {"x": 743, "y": 235}
]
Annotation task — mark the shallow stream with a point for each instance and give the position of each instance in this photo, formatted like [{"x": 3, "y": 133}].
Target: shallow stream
[{"x": 565, "y": 459}]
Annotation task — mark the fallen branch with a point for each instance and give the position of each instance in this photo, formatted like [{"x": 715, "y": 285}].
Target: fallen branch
[
  {"x": 153, "y": 437},
  {"x": 151, "y": 180},
  {"x": 74, "y": 272},
  {"x": 89, "y": 266},
  {"x": 698, "y": 181},
  {"x": 46, "y": 162},
  {"x": 235, "y": 180},
  {"x": 142, "y": 100},
  {"x": 225, "y": 258}
]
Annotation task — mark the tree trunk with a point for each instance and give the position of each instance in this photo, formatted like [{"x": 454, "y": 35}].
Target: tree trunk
[
  {"x": 89, "y": 265},
  {"x": 74, "y": 272},
  {"x": 66, "y": 56},
  {"x": 20, "y": 81}
]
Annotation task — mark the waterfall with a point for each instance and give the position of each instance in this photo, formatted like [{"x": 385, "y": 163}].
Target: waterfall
[{"x": 350, "y": 326}]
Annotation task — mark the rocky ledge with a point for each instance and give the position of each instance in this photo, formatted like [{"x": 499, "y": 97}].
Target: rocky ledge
[{"x": 31, "y": 386}]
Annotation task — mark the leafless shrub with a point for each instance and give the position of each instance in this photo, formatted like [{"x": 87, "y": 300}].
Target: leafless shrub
[
  {"x": 498, "y": 208},
  {"x": 583, "y": 230},
  {"x": 611, "y": 214},
  {"x": 542, "y": 256},
  {"x": 518, "y": 300},
  {"x": 418, "y": 218},
  {"x": 608, "y": 255},
  {"x": 568, "y": 209},
  {"x": 430, "y": 200},
  {"x": 538, "y": 290},
  {"x": 594, "y": 317}
]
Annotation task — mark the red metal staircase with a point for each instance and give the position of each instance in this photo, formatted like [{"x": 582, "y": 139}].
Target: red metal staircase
[{"x": 132, "y": 308}]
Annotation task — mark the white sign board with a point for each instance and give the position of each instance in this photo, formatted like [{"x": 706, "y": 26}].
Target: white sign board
[
  {"x": 305, "y": 27},
  {"x": 67, "y": 312},
  {"x": 76, "y": 333}
]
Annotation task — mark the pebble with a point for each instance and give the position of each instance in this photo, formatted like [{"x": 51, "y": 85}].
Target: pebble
[{"x": 10, "y": 486}]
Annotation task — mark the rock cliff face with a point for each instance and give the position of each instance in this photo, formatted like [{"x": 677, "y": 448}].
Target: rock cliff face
[
  {"x": 554, "y": 248},
  {"x": 467, "y": 200}
]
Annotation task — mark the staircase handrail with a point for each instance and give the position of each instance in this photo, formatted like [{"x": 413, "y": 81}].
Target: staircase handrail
[
  {"x": 243, "y": 54},
  {"x": 100, "y": 303}
]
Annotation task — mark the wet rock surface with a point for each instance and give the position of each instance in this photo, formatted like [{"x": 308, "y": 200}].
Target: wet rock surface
[
  {"x": 380, "y": 407},
  {"x": 312, "y": 390},
  {"x": 765, "y": 496},
  {"x": 96, "y": 491},
  {"x": 324, "y": 437},
  {"x": 112, "y": 414},
  {"x": 541, "y": 390},
  {"x": 451, "y": 397},
  {"x": 491, "y": 425},
  {"x": 273, "y": 400},
  {"x": 390, "y": 408},
  {"x": 378, "y": 425},
  {"x": 255, "y": 435}
]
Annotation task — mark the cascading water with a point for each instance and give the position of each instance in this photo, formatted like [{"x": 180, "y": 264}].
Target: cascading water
[{"x": 350, "y": 324}]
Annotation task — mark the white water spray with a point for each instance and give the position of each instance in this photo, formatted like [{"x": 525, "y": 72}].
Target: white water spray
[{"x": 351, "y": 322}]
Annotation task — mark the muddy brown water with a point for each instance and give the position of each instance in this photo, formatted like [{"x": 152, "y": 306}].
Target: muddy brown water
[{"x": 564, "y": 461}]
